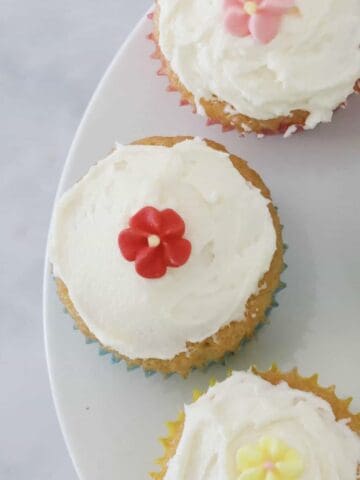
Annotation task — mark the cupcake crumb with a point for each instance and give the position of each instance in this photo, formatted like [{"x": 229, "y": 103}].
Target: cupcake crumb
[
  {"x": 245, "y": 127},
  {"x": 292, "y": 129}
]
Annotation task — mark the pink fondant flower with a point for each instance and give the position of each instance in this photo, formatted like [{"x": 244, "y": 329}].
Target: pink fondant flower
[{"x": 259, "y": 18}]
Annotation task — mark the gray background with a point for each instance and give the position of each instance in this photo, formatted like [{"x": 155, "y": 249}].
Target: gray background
[{"x": 52, "y": 55}]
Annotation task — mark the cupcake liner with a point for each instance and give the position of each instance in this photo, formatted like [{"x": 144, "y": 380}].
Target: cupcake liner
[
  {"x": 357, "y": 87},
  {"x": 340, "y": 408}
]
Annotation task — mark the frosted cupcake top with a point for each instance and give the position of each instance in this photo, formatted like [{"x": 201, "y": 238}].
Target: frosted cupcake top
[
  {"x": 248, "y": 429},
  {"x": 212, "y": 231},
  {"x": 265, "y": 58}
]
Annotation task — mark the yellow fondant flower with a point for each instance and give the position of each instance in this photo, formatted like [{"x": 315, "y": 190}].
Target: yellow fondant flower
[{"x": 270, "y": 459}]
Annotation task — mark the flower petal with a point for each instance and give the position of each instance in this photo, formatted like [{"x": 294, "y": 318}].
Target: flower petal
[
  {"x": 276, "y": 448},
  {"x": 233, "y": 3},
  {"x": 237, "y": 22},
  {"x": 147, "y": 220},
  {"x": 256, "y": 473},
  {"x": 290, "y": 470},
  {"x": 248, "y": 456},
  {"x": 177, "y": 251},
  {"x": 292, "y": 466},
  {"x": 130, "y": 243},
  {"x": 277, "y": 6},
  {"x": 264, "y": 27},
  {"x": 172, "y": 225},
  {"x": 150, "y": 262},
  {"x": 272, "y": 476}
]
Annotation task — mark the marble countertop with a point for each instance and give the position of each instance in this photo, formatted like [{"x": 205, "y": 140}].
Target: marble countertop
[{"x": 53, "y": 58}]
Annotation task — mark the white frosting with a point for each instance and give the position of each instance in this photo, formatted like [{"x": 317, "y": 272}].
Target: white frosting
[
  {"x": 312, "y": 64},
  {"x": 227, "y": 221},
  {"x": 244, "y": 408}
]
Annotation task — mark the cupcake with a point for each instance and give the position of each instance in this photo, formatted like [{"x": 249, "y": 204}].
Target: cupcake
[
  {"x": 264, "y": 426},
  {"x": 264, "y": 66},
  {"x": 167, "y": 252}
]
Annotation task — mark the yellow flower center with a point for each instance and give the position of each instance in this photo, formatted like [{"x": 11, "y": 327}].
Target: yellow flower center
[
  {"x": 153, "y": 241},
  {"x": 250, "y": 8}
]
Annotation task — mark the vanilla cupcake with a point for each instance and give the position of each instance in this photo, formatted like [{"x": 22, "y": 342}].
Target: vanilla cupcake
[
  {"x": 266, "y": 66},
  {"x": 263, "y": 426},
  {"x": 168, "y": 252}
]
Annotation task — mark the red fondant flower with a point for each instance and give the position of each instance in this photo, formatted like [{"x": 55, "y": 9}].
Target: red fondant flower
[{"x": 154, "y": 241}]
